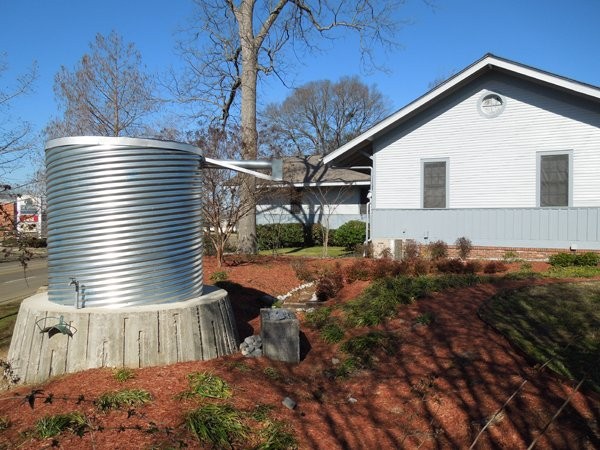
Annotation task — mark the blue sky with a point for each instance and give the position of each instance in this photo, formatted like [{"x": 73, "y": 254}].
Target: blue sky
[{"x": 556, "y": 36}]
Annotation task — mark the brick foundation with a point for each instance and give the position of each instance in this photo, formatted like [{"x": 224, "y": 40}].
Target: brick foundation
[{"x": 380, "y": 246}]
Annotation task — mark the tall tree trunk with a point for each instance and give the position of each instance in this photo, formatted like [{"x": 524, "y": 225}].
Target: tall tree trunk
[{"x": 247, "y": 224}]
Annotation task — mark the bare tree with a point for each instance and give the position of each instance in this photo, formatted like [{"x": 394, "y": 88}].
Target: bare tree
[
  {"x": 328, "y": 200},
  {"x": 222, "y": 205},
  {"x": 15, "y": 134},
  {"x": 246, "y": 38},
  {"x": 107, "y": 94},
  {"x": 320, "y": 116}
]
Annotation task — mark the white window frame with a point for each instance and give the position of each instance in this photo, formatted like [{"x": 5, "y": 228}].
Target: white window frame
[
  {"x": 422, "y": 193},
  {"x": 538, "y": 176}
]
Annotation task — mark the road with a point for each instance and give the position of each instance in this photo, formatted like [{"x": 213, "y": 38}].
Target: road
[{"x": 16, "y": 285}]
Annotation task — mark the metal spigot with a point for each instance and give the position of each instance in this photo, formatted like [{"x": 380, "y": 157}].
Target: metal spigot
[{"x": 75, "y": 283}]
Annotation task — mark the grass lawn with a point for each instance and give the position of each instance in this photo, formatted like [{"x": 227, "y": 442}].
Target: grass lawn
[
  {"x": 555, "y": 321},
  {"x": 333, "y": 252},
  {"x": 8, "y": 317}
]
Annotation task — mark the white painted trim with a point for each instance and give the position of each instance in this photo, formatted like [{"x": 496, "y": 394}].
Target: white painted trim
[
  {"x": 486, "y": 63},
  {"x": 322, "y": 184}
]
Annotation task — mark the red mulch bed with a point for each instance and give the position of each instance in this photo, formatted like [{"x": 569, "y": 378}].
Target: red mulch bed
[{"x": 437, "y": 391}]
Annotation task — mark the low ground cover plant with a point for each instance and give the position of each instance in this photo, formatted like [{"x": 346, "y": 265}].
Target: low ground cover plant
[
  {"x": 556, "y": 322},
  {"x": 50, "y": 426},
  {"x": 220, "y": 426},
  {"x": 208, "y": 385},
  {"x": 125, "y": 397}
]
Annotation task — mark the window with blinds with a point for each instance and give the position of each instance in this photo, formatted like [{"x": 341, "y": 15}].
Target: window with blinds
[
  {"x": 554, "y": 180},
  {"x": 434, "y": 184}
]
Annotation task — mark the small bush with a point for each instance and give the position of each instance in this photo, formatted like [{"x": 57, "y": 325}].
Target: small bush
[
  {"x": 411, "y": 249},
  {"x": 438, "y": 250},
  {"x": 588, "y": 259},
  {"x": 50, "y": 426},
  {"x": 219, "y": 275},
  {"x": 389, "y": 268},
  {"x": 358, "y": 270},
  {"x": 473, "y": 267},
  {"x": 421, "y": 267},
  {"x": 452, "y": 265},
  {"x": 274, "y": 236},
  {"x": 330, "y": 283},
  {"x": 332, "y": 333},
  {"x": 205, "y": 384},
  {"x": 123, "y": 374},
  {"x": 464, "y": 246},
  {"x": 510, "y": 257},
  {"x": 126, "y": 397},
  {"x": 562, "y": 260},
  {"x": 350, "y": 234},
  {"x": 318, "y": 318},
  {"x": 363, "y": 249},
  {"x": 302, "y": 270},
  {"x": 526, "y": 266},
  {"x": 495, "y": 267},
  {"x": 316, "y": 231},
  {"x": 217, "y": 425},
  {"x": 574, "y": 259}
]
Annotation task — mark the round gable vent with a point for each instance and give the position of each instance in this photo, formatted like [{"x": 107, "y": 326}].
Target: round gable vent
[{"x": 491, "y": 104}]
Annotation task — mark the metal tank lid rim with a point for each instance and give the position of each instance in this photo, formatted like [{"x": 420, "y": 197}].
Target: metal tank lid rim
[{"x": 121, "y": 141}]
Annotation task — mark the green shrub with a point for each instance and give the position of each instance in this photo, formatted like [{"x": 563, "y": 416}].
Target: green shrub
[
  {"x": 50, "y": 426},
  {"x": 562, "y": 259},
  {"x": 587, "y": 259},
  {"x": 464, "y": 247},
  {"x": 217, "y": 425},
  {"x": 351, "y": 234},
  {"x": 438, "y": 250},
  {"x": 279, "y": 235},
  {"x": 219, "y": 275},
  {"x": 125, "y": 397},
  {"x": 316, "y": 231},
  {"x": 510, "y": 257}
]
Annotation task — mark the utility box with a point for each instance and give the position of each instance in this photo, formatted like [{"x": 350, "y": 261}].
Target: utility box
[{"x": 280, "y": 333}]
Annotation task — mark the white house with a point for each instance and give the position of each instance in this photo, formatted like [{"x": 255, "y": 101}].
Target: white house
[
  {"x": 313, "y": 193},
  {"x": 502, "y": 153}
]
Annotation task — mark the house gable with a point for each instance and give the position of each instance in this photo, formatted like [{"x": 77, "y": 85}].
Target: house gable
[{"x": 492, "y": 161}]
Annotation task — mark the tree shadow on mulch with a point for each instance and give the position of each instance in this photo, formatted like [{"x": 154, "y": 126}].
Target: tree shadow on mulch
[{"x": 246, "y": 303}]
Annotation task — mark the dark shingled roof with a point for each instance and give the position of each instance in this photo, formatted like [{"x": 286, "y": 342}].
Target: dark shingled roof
[{"x": 310, "y": 169}]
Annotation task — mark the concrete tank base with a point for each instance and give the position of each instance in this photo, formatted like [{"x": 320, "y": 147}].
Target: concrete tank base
[{"x": 198, "y": 329}]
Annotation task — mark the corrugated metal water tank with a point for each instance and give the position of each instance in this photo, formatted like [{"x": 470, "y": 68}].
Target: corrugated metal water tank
[{"x": 124, "y": 221}]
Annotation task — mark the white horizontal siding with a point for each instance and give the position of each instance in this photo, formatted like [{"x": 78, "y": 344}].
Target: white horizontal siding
[{"x": 492, "y": 161}]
